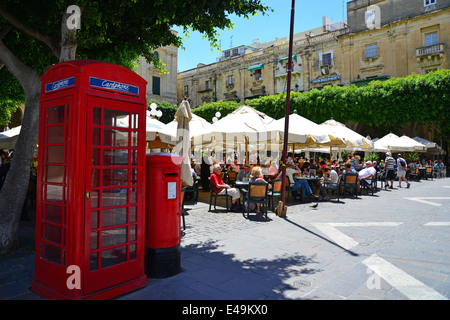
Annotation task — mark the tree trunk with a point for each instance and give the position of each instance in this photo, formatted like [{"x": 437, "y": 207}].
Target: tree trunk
[{"x": 13, "y": 193}]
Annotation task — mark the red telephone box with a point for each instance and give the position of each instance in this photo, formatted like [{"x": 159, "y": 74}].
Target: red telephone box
[{"x": 90, "y": 188}]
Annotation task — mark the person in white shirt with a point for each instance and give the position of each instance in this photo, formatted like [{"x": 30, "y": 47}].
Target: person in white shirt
[
  {"x": 290, "y": 171},
  {"x": 366, "y": 174},
  {"x": 334, "y": 176},
  {"x": 401, "y": 171},
  {"x": 329, "y": 176}
]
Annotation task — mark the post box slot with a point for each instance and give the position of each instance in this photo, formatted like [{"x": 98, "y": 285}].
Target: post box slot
[{"x": 171, "y": 174}]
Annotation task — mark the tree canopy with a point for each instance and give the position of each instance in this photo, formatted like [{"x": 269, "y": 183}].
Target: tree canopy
[
  {"x": 36, "y": 34},
  {"x": 116, "y": 31}
]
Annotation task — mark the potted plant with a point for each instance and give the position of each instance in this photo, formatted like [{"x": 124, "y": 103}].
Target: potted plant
[{"x": 411, "y": 157}]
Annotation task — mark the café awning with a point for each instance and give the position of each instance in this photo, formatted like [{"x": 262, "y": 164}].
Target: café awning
[
  {"x": 257, "y": 66},
  {"x": 294, "y": 57}
]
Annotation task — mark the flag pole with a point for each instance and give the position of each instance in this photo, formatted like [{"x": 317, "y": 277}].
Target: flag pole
[{"x": 281, "y": 210}]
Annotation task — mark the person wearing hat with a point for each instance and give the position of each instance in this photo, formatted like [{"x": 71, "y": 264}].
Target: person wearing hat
[
  {"x": 244, "y": 173},
  {"x": 401, "y": 171},
  {"x": 366, "y": 174},
  {"x": 390, "y": 170}
]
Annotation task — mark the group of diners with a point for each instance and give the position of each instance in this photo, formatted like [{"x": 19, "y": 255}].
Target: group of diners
[{"x": 309, "y": 180}]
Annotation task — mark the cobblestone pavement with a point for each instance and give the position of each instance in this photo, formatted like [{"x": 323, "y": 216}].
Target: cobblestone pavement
[{"x": 389, "y": 246}]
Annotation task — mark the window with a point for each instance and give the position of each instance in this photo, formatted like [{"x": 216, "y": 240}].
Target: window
[
  {"x": 431, "y": 39},
  {"x": 156, "y": 86},
  {"x": 235, "y": 52},
  {"x": 326, "y": 59},
  {"x": 230, "y": 81},
  {"x": 227, "y": 54},
  {"x": 428, "y": 2},
  {"x": 371, "y": 51},
  {"x": 207, "y": 85},
  {"x": 186, "y": 90},
  {"x": 257, "y": 74}
]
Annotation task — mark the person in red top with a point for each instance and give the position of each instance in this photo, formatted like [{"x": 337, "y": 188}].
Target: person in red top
[{"x": 220, "y": 186}]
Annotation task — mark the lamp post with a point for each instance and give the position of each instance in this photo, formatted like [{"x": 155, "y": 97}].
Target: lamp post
[{"x": 281, "y": 210}]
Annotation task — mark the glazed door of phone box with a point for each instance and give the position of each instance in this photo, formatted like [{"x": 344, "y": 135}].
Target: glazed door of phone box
[{"x": 115, "y": 170}]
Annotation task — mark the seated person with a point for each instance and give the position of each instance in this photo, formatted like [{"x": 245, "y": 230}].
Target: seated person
[
  {"x": 235, "y": 166},
  {"x": 257, "y": 176},
  {"x": 313, "y": 167},
  {"x": 291, "y": 169},
  {"x": 355, "y": 163},
  {"x": 412, "y": 166},
  {"x": 334, "y": 164},
  {"x": 194, "y": 174},
  {"x": 330, "y": 176},
  {"x": 298, "y": 184},
  {"x": 376, "y": 166},
  {"x": 244, "y": 173},
  {"x": 220, "y": 186},
  {"x": 366, "y": 174},
  {"x": 273, "y": 170},
  {"x": 305, "y": 166},
  {"x": 323, "y": 165},
  {"x": 347, "y": 169}
]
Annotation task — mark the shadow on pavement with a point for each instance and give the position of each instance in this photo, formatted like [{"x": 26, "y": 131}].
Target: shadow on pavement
[{"x": 211, "y": 274}]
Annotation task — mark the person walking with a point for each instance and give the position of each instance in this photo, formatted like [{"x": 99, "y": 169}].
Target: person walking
[
  {"x": 401, "y": 171},
  {"x": 390, "y": 170}
]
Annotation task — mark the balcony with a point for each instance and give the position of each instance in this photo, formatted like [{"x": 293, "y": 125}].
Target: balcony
[
  {"x": 204, "y": 89},
  {"x": 430, "y": 51}
]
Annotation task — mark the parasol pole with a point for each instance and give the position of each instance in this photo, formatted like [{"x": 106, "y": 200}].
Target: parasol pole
[
  {"x": 281, "y": 210},
  {"x": 246, "y": 151}
]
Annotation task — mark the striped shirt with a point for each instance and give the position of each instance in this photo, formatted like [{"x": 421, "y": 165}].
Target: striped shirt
[{"x": 389, "y": 163}]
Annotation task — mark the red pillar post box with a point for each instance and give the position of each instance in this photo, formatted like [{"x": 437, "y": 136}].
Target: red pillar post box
[
  {"x": 90, "y": 188},
  {"x": 163, "y": 215}
]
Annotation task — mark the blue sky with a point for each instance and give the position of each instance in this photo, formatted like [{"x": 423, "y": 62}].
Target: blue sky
[{"x": 308, "y": 15}]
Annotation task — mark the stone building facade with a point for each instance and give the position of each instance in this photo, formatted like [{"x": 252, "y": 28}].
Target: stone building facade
[
  {"x": 380, "y": 39},
  {"x": 161, "y": 86}
]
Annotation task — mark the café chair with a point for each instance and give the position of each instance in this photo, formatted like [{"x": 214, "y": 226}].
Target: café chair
[
  {"x": 215, "y": 196},
  {"x": 333, "y": 187},
  {"x": 232, "y": 175},
  {"x": 351, "y": 183},
  {"x": 274, "y": 192},
  {"x": 372, "y": 186},
  {"x": 256, "y": 193},
  {"x": 193, "y": 191},
  {"x": 428, "y": 173}
]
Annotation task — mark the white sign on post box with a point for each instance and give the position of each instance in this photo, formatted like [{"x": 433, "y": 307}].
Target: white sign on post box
[{"x": 171, "y": 190}]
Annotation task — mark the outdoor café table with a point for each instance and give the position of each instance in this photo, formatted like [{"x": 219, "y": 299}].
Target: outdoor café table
[
  {"x": 302, "y": 183},
  {"x": 269, "y": 177},
  {"x": 422, "y": 172},
  {"x": 242, "y": 184}
]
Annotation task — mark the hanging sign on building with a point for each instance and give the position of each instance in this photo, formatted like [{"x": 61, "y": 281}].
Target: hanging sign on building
[{"x": 338, "y": 77}]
